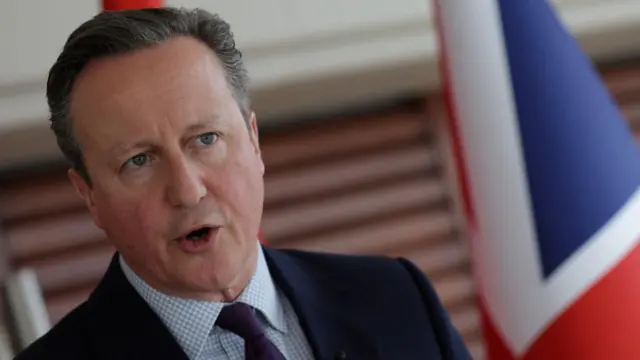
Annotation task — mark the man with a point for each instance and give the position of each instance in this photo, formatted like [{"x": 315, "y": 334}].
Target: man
[{"x": 151, "y": 109}]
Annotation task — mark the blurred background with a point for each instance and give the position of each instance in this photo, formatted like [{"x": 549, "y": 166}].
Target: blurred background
[{"x": 353, "y": 132}]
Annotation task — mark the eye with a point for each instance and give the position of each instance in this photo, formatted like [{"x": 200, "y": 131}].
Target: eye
[
  {"x": 137, "y": 160},
  {"x": 206, "y": 139}
]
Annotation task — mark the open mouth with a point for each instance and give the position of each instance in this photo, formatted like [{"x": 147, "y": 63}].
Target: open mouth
[
  {"x": 198, "y": 240},
  {"x": 199, "y": 234}
]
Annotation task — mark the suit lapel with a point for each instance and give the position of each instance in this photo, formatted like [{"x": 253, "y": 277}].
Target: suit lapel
[
  {"x": 125, "y": 327},
  {"x": 324, "y": 310}
]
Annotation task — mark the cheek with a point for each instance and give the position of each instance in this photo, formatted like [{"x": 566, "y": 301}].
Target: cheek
[
  {"x": 241, "y": 189},
  {"x": 128, "y": 221}
]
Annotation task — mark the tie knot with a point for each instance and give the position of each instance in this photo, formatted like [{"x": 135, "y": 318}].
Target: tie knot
[{"x": 241, "y": 320}]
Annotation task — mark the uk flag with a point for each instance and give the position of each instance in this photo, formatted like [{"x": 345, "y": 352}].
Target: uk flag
[{"x": 551, "y": 181}]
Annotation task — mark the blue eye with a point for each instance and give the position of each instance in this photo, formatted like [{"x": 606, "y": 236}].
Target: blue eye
[
  {"x": 207, "y": 138},
  {"x": 138, "y": 160}
]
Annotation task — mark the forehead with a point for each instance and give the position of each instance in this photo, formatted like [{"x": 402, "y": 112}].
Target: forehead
[{"x": 171, "y": 84}]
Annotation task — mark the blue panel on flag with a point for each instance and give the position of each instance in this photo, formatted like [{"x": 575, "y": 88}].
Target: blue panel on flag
[{"x": 581, "y": 159}]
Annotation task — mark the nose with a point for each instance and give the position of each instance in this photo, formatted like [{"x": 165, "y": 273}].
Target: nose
[{"x": 185, "y": 188}]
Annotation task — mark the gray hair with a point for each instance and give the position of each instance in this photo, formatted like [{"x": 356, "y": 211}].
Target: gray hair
[{"x": 111, "y": 33}]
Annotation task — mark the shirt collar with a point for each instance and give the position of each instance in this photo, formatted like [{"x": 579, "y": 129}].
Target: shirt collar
[{"x": 191, "y": 321}]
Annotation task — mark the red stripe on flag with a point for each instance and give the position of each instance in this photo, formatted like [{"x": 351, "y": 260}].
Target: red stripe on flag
[
  {"x": 494, "y": 344},
  {"x": 456, "y": 141},
  {"x": 454, "y": 127},
  {"x": 602, "y": 324},
  {"x": 130, "y": 4}
]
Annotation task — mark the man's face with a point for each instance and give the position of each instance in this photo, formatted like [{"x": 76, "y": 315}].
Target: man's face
[{"x": 169, "y": 153}]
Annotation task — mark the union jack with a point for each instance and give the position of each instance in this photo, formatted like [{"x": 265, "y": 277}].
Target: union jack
[{"x": 550, "y": 175}]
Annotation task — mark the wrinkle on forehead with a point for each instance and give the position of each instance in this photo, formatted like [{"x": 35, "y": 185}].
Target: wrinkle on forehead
[
  {"x": 164, "y": 70},
  {"x": 171, "y": 85}
]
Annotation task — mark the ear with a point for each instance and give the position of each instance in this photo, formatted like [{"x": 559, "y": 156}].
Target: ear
[
  {"x": 253, "y": 133},
  {"x": 86, "y": 193}
]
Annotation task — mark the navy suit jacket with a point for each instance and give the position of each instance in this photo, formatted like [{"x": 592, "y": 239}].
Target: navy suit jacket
[{"x": 350, "y": 307}]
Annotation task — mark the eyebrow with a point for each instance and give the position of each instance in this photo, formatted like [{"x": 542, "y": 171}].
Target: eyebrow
[
  {"x": 205, "y": 123},
  {"x": 120, "y": 149}
]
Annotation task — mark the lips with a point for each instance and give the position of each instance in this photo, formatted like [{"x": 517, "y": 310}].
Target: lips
[
  {"x": 198, "y": 234},
  {"x": 199, "y": 239}
]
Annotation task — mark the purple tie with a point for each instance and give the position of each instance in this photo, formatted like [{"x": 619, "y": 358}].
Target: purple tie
[{"x": 241, "y": 320}]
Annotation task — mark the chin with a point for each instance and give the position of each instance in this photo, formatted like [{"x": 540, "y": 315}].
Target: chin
[
  {"x": 227, "y": 264},
  {"x": 213, "y": 273}
]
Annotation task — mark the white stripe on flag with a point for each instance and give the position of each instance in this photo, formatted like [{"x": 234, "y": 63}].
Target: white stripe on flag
[
  {"x": 491, "y": 150},
  {"x": 519, "y": 301}
]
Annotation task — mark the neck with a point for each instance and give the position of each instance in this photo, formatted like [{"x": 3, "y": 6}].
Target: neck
[{"x": 232, "y": 291}]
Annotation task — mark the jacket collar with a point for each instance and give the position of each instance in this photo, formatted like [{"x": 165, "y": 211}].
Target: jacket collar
[
  {"x": 126, "y": 326},
  {"x": 329, "y": 315},
  {"x": 190, "y": 321}
]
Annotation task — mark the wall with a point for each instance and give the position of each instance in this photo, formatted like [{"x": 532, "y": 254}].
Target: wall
[{"x": 304, "y": 55}]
